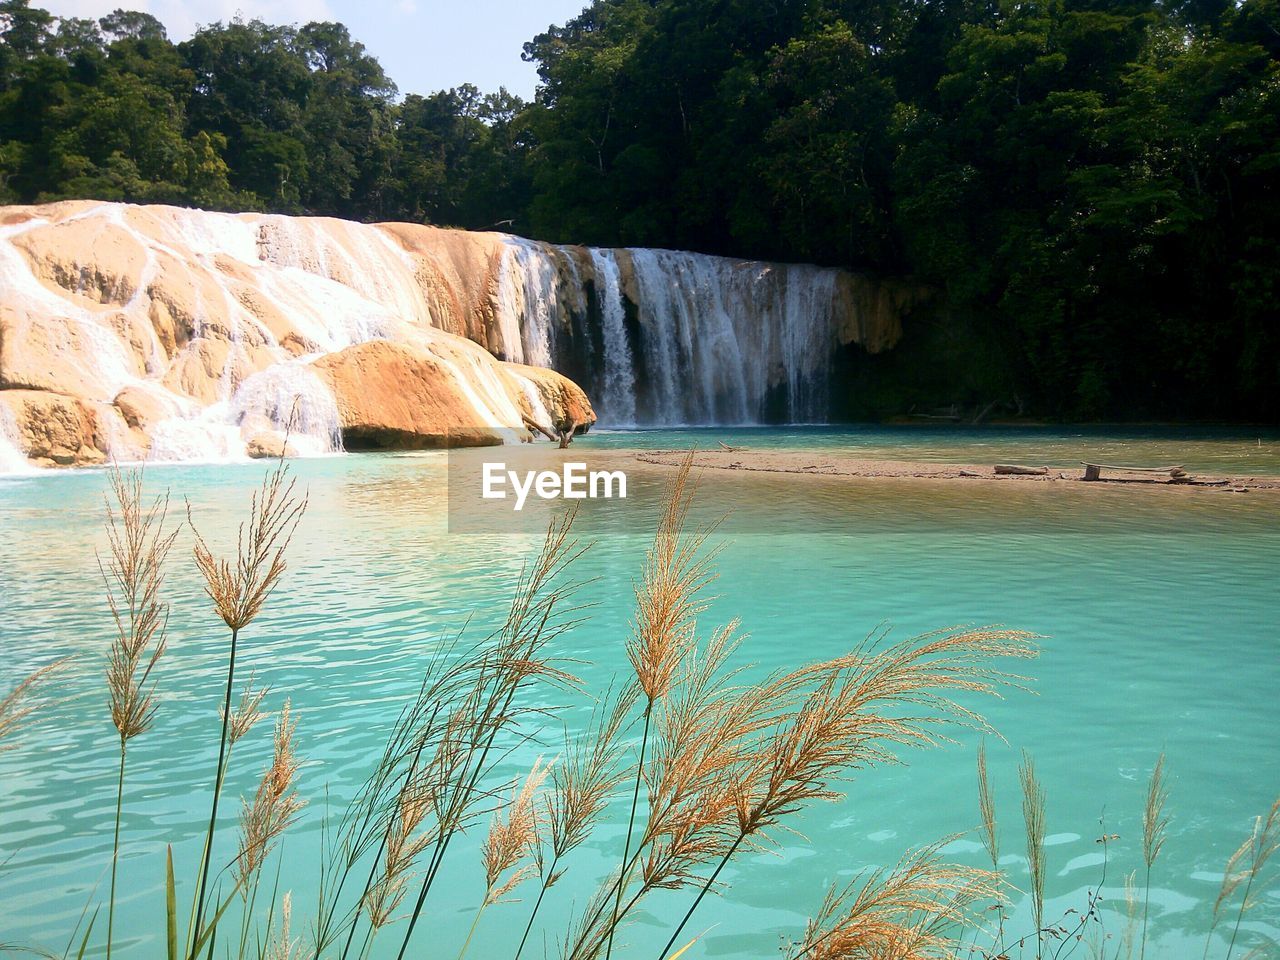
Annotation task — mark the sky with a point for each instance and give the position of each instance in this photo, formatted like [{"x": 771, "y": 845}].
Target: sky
[{"x": 423, "y": 45}]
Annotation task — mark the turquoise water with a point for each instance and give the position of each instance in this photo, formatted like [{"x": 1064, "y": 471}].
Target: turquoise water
[{"x": 1160, "y": 614}]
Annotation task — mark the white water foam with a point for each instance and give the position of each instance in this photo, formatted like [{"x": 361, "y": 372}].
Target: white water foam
[
  {"x": 527, "y": 302},
  {"x": 12, "y": 460},
  {"x": 289, "y": 398}
]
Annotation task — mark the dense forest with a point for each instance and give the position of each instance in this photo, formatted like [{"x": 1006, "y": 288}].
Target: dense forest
[{"x": 1088, "y": 190}]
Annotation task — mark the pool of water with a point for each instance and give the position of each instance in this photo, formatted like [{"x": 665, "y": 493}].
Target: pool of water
[{"x": 1159, "y": 614}]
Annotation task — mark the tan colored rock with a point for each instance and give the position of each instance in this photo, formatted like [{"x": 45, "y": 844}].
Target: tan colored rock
[
  {"x": 54, "y": 429},
  {"x": 94, "y": 259},
  {"x": 142, "y": 409},
  {"x": 869, "y": 312},
  {"x": 84, "y": 357},
  {"x": 268, "y": 446},
  {"x": 209, "y": 370},
  {"x": 395, "y": 396},
  {"x": 456, "y": 273},
  {"x": 564, "y": 400}
]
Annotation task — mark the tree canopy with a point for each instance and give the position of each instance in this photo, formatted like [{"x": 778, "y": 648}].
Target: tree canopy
[{"x": 1090, "y": 188}]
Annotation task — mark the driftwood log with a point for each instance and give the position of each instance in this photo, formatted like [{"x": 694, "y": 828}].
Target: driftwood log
[
  {"x": 567, "y": 431},
  {"x": 535, "y": 426},
  {"x": 1093, "y": 471},
  {"x": 1020, "y": 471}
]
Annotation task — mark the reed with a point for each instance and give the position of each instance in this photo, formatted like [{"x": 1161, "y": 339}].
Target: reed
[
  {"x": 1155, "y": 824},
  {"x": 516, "y": 655},
  {"x": 990, "y": 834},
  {"x": 1033, "y": 818},
  {"x": 905, "y": 912},
  {"x": 512, "y": 837},
  {"x": 275, "y": 805},
  {"x": 987, "y": 809},
  {"x": 239, "y": 587},
  {"x": 134, "y": 577},
  {"x": 1243, "y": 872},
  {"x": 18, "y": 704},
  {"x": 581, "y": 787},
  {"x": 667, "y": 606}
]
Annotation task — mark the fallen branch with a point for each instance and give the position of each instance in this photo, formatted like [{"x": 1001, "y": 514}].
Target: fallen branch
[
  {"x": 538, "y": 428},
  {"x": 1016, "y": 470}
]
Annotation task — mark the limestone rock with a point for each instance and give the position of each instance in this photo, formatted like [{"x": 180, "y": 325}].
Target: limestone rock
[
  {"x": 268, "y": 446},
  {"x": 95, "y": 259},
  {"x": 403, "y": 397},
  {"x": 563, "y": 400},
  {"x": 54, "y": 429}
]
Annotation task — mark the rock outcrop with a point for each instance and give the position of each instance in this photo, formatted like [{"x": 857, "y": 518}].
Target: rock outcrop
[
  {"x": 157, "y": 332},
  {"x": 53, "y": 429},
  {"x": 405, "y": 396}
]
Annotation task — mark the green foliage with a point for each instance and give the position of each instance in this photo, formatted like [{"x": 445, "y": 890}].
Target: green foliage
[{"x": 1089, "y": 188}]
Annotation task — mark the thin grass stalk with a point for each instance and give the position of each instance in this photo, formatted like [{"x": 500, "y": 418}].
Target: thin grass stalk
[
  {"x": 1033, "y": 814},
  {"x": 546, "y": 885},
  {"x": 16, "y": 705},
  {"x": 370, "y": 814},
  {"x": 472, "y": 932},
  {"x": 1261, "y": 845},
  {"x": 987, "y": 808},
  {"x": 701, "y": 893},
  {"x": 990, "y": 834},
  {"x": 239, "y": 591},
  {"x": 133, "y": 577},
  {"x": 512, "y": 835},
  {"x": 206, "y": 856},
  {"x": 115, "y": 850},
  {"x": 1075, "y": 937},
  {"x": 1154, "y": 823},
  {"x": 382, "y": 846},
  {"x": 442, "y": 841},
  {"x": 520, "y": 638},
  {"x": 631, "y": 821},
  {"x": 583, "y": 784}
]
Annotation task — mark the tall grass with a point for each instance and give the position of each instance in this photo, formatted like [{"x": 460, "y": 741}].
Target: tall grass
[
  {"x": 1155, "y": 824},
  {"x": 17, "y": 705},
  {"x": 1243, "y": 879},
  {"x": 134, "y": 577}
]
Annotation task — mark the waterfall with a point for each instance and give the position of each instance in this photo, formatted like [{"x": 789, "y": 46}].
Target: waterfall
[
  {"x": 290, "y": 398},
  {"x": 617, "y": 395},
  {"x": 11, "y": 457},
  {"x": 526, "y": 302},
  {"x": 671, "y": 338}
]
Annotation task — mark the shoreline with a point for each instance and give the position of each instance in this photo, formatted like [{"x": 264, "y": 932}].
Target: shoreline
[{"x": 816, "y": 464}]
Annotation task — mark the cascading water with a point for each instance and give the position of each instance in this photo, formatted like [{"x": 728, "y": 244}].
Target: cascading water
[
  {"x": 11, "y": 458},
  {"x": 617, "y": 394},
  {"x": 684, "y": 338},
  {"x": 527, "y": 303},
  {"x": 290, "y": 399}
]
